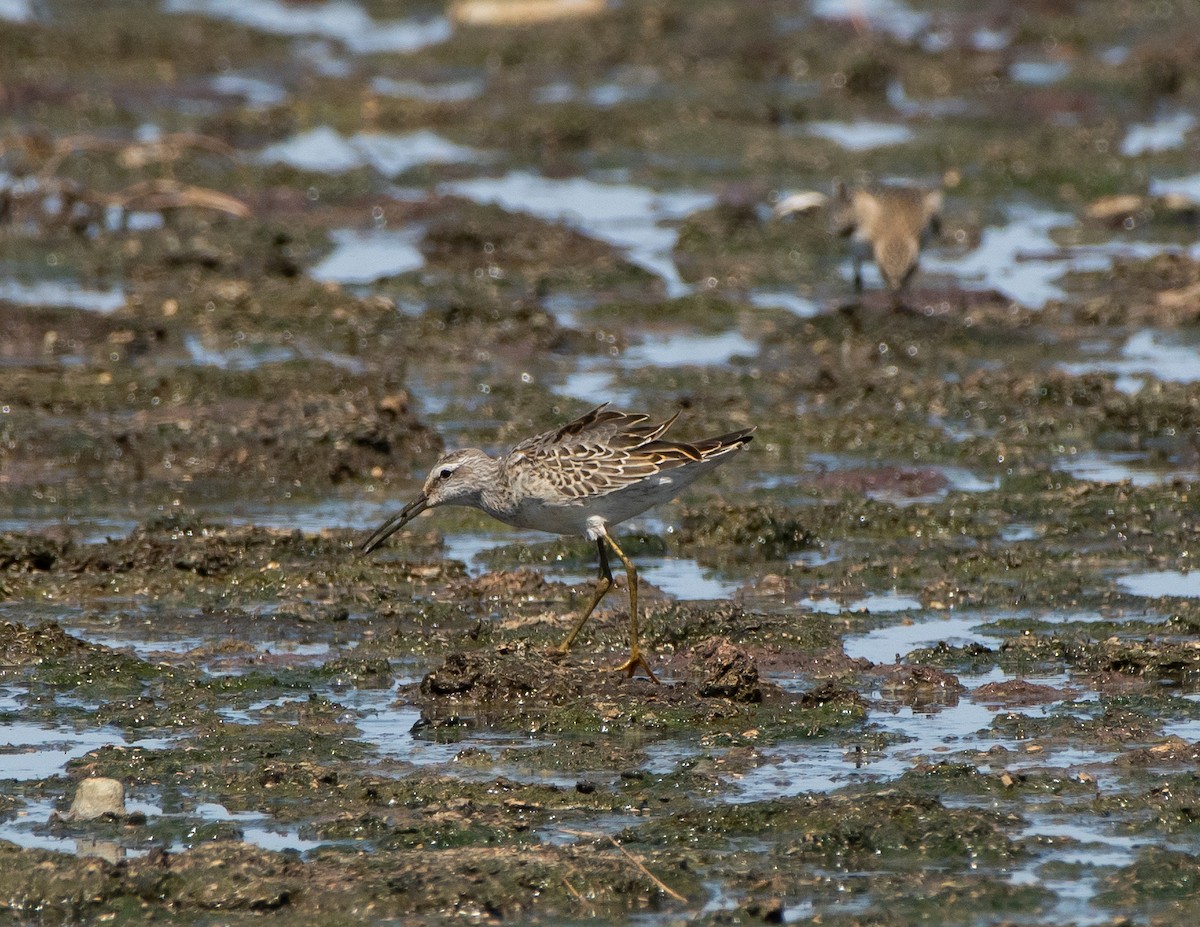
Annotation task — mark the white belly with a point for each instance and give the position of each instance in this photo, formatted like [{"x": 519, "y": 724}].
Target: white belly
[{"x": 588, "y": 516}]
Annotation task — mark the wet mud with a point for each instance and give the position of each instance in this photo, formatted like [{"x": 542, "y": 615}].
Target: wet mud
[{"x": 928, "y": 649}]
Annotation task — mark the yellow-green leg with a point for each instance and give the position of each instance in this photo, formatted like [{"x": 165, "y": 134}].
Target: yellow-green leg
[
  {"x": 603, "y": 584},
  {"x": 636, "y": 659}
]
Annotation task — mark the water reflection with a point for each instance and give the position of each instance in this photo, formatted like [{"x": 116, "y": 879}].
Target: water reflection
[{"x": 633, "y": 218}]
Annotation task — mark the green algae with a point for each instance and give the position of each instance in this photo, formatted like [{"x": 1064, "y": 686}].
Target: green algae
[{"x": 846, "y": 830}]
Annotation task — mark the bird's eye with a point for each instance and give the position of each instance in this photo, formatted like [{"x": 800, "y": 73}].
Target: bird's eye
[{"x": 445, "y": 474}]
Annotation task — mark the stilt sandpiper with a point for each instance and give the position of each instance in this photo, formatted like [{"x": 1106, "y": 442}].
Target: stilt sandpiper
[{"x": 582, "y": 478}]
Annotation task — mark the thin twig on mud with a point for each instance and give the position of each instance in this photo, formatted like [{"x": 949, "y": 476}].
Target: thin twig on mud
[
  {"x": 662, "y": 886},
  {"x": 573, "y": 890}
]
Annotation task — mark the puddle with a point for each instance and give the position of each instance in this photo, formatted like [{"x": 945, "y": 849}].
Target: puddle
[
  {"x": 601, "y": 376},
  {"x": 588, "y": 383},
  {"x": 624, "y": 215},
  {"x": 685, "y": 579},
  {"x": 256, "y": 828},
  {"x": 1038, "y": 73},
  {"x": 1001, "y": 263},
  {"x": 255, "y": 91},
  {"x": 800, "y": 306},
  {"x": 32, "y": 751},
  {"x": 325, "y": 150},
  {"x": 602, "y": 96},
  {"x": 1165, "y": 133},
  {"x": 341, "y": 20},
  {"x": 990, "y": 40},
  {"x": 1074, "y": 894},
  {"x": 679, "y": 577},
  {"x": 1149, "y": 354},
  {"x": 354, "y": 510},
  {"x": 362, "y": 257},
  {"x": 16, "y": 11},
  {"x": 1187, "y": 730},
  {"x": 1187, "y": 187},
  {"x": 61, "y": 293},
  {"x": 234, "y": 663},
  {"x": 388, "y": 726},
  {"x": 1115, "y": 55},
  {"x": 795, "y": 769},
  {"x": 890, "y": 16},
  {"x": 1016, "y": 533},
  {"x": 930, "y": 109},
  {"x": 877, "y": 604},
  {"x": 882, "y": 645},
  {"x": 253, "y": 358},
  {"x": 29, "y": 829},
  {"x": 861, "y": 135},
  {"x": 1162, "y": 582},
  {"x": 958, "y": 479},
  {"x": 320, "y": 56},
  {"x": 236, "y": 359},
  {"x": 1022, "y": 262},
  {"x": 683, "y": 349},
  {"x": 451, "y": 92},
  {"x": 1119, "y": 467},
  {"x": 90, "y": 528}
]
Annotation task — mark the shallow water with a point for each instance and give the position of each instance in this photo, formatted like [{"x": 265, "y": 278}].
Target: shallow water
[
  {"x": 449, "y": 92},
  {"x": 361, "y": 257},
  {"x": 1166, "y": 132},
  {"x": 634, "y": 218},
  {"x": 1162, "y": 582},
  {"x": 1022, "y": 261},
  {"x": 35, "y": 751},
  {"x": 324, "y": 149},
  {"x": 884, "y": 644},
  {"x": 16, "y": 11},
  {"x": 1122, "y": 466},
  {"x": 794, "y": 303},
  {"x": 890, "y": 16},
  {"x": 342, "y": 20},
  {"x": 603, "y": 376},
  {"x": 1039, "y": 73},
  {"x": 61, "y": 293},
  {"x": 861, "y": 135},
  {"x": 879, "y": 603},
  {"x": 254, "y": 90},
  {"x": 1145, "y": 355},
  {"x": 1188, "y": 187}
]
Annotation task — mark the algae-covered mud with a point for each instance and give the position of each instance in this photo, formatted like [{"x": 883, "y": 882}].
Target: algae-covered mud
[{"x": 930, "y": 646}]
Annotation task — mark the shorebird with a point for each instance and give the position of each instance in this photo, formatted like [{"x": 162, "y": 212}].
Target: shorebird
[
  {"x": 887, "y": 224},
  {"x": 580, "y": 479}
]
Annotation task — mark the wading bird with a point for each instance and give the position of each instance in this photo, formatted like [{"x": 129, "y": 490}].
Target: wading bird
[{"x": 580, "y": 479}]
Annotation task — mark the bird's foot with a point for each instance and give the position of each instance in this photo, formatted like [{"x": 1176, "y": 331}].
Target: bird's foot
[
  {"x": 636, "y": 660},
  {"x": 557, "y": 653}
]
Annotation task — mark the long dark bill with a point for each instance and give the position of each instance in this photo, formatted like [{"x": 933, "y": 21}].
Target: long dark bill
[{"x": 395, "y": 523}]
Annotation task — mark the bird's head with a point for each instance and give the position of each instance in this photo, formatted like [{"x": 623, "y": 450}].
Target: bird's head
[{"x": 458, "y": 478}]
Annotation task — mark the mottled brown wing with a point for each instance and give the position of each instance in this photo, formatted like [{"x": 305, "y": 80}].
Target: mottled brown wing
[
  {"x": 601, "y": 425},
  {"x": 582, "y": 468}
]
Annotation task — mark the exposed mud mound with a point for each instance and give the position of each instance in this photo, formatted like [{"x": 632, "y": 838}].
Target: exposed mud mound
[
  {"x": 1018, "y": 692},
  {"x": 919, "y": 685},
  {"x": 25, "y": 646},
  {"x": 519, "y": 685},
  {"x": 725, "y": 671}
]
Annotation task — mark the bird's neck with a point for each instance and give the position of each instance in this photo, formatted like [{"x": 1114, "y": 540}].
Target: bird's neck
[{"x": 495, "y": 493}]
